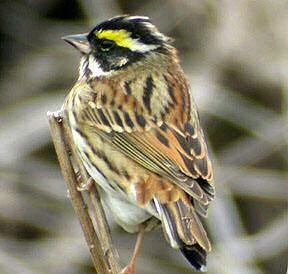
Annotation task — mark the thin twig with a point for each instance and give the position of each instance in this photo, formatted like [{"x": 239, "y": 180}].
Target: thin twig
[
  {"x": 96, "y": 211},
  {"x": 109, "y": 250},
  {"x": 98, "y": 237}
]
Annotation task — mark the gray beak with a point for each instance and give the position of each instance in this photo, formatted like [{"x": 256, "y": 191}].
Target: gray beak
[{"x": 79, "y": 41}]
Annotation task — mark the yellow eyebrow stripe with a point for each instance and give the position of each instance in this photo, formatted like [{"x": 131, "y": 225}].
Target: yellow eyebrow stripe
[{"x": 120, "y": 37}]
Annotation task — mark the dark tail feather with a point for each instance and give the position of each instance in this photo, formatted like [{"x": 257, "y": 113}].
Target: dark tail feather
[
  {"x": 196, "y": 256},
  {"x": 183, "y": 234}
]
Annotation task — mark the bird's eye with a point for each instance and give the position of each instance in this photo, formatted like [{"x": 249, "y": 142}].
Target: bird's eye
[{"x": 106, "y": 45}]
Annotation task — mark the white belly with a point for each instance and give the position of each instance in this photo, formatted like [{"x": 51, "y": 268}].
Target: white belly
[
  {"x": 122, "y": 205},
  {"x": 127, "y": 215}
]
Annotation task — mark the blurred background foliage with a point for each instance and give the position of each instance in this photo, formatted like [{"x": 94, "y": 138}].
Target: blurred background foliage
[{"x": 235, "y": 55}]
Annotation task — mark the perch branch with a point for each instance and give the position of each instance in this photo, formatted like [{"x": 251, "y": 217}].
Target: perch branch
[{"x": 92, "y": 217}]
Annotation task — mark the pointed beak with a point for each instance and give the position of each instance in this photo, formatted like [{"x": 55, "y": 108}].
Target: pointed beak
[{"x": 79, "y": 41}]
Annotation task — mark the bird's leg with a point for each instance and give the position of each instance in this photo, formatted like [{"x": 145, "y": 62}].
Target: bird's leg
[
  {"x": 130, "y": 268},
  {"x": 85, "y": 186}
]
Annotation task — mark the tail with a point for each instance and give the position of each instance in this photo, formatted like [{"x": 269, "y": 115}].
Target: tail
[
  {"x": 196, "y": 256},
  {"x": 183, "y": 230}
]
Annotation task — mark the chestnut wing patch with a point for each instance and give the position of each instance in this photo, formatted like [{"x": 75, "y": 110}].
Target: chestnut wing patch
[{"x": 178, "y": 156}]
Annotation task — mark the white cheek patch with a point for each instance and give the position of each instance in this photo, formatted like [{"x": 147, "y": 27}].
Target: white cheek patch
[
  {"x": 82, "y": 67},
  {"x": 95, "y": 68}
]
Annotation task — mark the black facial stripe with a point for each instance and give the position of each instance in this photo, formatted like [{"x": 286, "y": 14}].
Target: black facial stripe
[
  {"x": 110, "y": 60},
  {"x": 105, "y": 44}
]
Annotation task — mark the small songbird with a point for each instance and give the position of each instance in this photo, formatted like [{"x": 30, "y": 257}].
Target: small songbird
[{"x": 136, "y": 128}]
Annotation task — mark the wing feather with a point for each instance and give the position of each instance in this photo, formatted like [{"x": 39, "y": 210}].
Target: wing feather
[
  {"x": 174, "y": 149},
  {"x": 161, "y": 149}
]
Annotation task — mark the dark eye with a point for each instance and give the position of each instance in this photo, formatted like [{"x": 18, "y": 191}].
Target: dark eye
[{"x": 106, "y": 45}]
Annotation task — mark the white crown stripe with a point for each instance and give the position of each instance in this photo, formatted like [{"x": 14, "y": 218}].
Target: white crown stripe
[
  {"x": 141, "y": 47},
  {"x": 137, "y": 17}
]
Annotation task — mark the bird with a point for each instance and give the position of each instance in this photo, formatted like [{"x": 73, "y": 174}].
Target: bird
[{"x": 136, "y": 128}]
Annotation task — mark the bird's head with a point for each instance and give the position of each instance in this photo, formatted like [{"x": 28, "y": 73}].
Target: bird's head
[{"x": 116, "y": 43}]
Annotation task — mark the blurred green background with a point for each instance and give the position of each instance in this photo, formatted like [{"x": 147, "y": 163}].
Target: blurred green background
[{"x": 235, "y": 54}]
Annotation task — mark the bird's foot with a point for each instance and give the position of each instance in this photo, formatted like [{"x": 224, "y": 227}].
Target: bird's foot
[
  {"x": 85, "y": 186},
  {"x": 59, "y": 115},
  {"x": 129, "y": 269}
]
